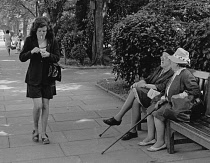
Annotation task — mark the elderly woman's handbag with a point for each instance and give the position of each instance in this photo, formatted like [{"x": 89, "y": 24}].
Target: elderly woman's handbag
[{"x": 54, "y": 72}]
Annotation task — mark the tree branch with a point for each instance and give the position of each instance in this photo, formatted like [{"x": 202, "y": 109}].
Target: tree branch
[{"x": 26, "y": 8}]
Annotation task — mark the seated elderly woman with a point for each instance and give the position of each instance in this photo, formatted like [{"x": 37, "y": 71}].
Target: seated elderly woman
[
  {"x": 138, "y": 94},
  {"x": 181, "y": 91}
]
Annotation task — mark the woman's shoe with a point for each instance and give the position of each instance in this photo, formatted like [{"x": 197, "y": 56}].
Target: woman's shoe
[
  {"x": 45, "y": 140},
  {"x": 154, "y": 149},
  {"x": 35, "y": 138},
  {"x": 112, "y": 122},
  {"x": 130, "y": 135},
  {"x": 142, "y": 143}
]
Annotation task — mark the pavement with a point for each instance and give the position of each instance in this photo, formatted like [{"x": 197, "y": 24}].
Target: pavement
[{"x": 75, "y": 122}]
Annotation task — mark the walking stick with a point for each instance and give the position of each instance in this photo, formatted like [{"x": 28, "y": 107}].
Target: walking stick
[
  {"x": 104, "y": 131},
  {"x": 130, "y": 128}
]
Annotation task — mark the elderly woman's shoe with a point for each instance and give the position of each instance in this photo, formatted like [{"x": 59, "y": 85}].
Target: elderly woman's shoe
[
  {"x": 35, "y": 137},
  {"x": 45, "y": 140},
  {"x": 154, "y": 149},
  {"x": 143, "y": 143},
  {"x": 112, "y": 122}
]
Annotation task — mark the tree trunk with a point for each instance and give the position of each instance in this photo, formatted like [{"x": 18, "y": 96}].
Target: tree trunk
[
  {"x": 25, "y": 26},
  {"x": 98, "y": 33}
]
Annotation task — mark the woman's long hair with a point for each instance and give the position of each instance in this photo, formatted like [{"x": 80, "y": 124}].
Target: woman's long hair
[{"x": 39, "y": 23}]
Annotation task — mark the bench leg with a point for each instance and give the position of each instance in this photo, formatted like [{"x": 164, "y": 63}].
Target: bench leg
[{"x": 169, "y": 138}]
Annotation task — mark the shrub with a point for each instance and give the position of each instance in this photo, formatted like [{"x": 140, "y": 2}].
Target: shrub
[
  {"x": 74, "y": 45},
  {"x": 78, "y": 52},
  {"x": 138, "y": 42},
  {"x": 197, "y": 42}
]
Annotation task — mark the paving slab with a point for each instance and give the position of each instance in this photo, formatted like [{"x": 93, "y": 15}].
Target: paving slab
[
  {"x": 19, "y": 107},
  {"x": 17, "y": 113},
  {"x": 100, "y": 101},
  {"x": 70, "y": 116},
  {"x": 66, "y": 104},
  {"x": 2, "y": 107},
  {"x": 69, "y": 109},
  {"x": 104, "y": 106},
  {"x": 70, "y": 125},
  {"x": 17, "y": 101},
  {"x": 25, "y": 120},
  {"x": 90, "y": 96},
  {"x": 70, "y": 159},
  {"x": 2, "y": 120},
  {"x": 4, "y": 141},
  {"x": 26, "y": 139},
  {"x": 119, "y": 156},
  {"x": 25, "y": 153},
  {"x": 88, "y": 134},
  {"x": 89, "y": 146},
  {"x": 1, "y": 97},
  {"x": 15, "y": 129}
]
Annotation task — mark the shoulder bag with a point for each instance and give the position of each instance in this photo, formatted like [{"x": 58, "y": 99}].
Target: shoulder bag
[{"x": 54, "y": 72}]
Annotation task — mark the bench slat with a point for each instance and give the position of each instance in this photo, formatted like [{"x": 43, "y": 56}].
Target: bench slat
[
  {"x": 192, "y": 133},
  {"x": 201, "y": 126},
  {"x": 198, "y": 131}
]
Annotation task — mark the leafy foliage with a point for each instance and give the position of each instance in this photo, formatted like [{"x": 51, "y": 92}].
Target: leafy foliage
[
  {"x": 197, "y": 42},
  {"x": 74, "y": 44},
  {"x": 78, "y": 52},
  {"x": 183, "y": 10},
  {"x": 138, "y": 42},
  {"x": 139, "y": 39}
]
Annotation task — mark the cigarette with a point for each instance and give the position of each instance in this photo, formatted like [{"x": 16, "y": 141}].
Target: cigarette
[{"x": 41, "y": 37}]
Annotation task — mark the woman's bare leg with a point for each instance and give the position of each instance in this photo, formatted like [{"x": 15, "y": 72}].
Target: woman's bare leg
[
  {"x": 160, "y": 129},
  {"x": 45, "y": 114},
  {"x": 136, "y": 111},
  {"x": 126, "y": 106},
  {"x": 36, "y": 113},
  {"x": 150, "y": 129}
]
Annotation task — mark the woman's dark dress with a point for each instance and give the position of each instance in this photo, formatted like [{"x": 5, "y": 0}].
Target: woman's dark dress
[{"x": 156, "y": 78}]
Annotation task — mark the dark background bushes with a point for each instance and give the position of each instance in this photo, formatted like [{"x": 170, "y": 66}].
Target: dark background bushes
[{"x": 138, "y": 42}]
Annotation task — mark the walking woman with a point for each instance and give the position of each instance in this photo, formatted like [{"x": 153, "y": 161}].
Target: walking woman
[{"x": 40, "y": 48}]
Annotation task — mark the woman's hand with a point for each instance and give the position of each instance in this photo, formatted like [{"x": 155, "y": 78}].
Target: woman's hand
[
  {"x": 35, "y": 50},
  {"x": 181, "y": 95},
  {"x": 141, "y": 83},
  {"x": 44, "y": 54},
  {"x": 160, "y": 102},
  {"x": 150, "y": 86}
]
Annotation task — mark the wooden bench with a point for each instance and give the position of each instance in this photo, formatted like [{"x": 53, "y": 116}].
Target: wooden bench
[{"x": 197, "y": 131}]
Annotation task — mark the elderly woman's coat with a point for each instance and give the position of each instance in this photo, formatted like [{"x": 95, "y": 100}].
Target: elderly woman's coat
[{"x": 178, "y": 106}]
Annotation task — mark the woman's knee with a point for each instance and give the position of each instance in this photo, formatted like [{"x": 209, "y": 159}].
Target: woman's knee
[{"x": 45, "y": 104}]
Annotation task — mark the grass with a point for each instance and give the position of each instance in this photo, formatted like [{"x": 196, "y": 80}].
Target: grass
[{"x": 119, "y": 87}]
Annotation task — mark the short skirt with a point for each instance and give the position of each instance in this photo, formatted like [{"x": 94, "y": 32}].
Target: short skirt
[
  {"x": 141, "y": 96},
  {"x": 41, "y": 91}
]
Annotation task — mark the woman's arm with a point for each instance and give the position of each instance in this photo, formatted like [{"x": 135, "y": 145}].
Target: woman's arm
[
  {"x": 55, "y": 52},
  {"x": 191, "y": 85},
  {"x": 26, "y": 54}
]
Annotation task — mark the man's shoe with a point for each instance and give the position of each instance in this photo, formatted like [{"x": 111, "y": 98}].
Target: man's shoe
[
  {"x": 130, "y": 135},
  {"x": 112, "y": 122}
]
